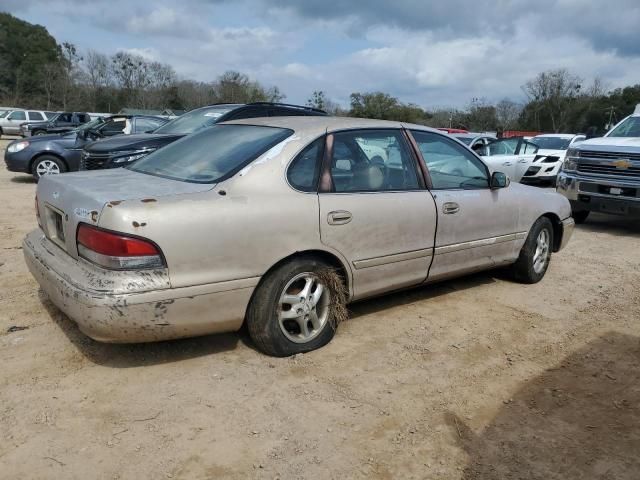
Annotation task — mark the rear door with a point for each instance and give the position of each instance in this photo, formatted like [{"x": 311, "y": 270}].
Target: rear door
[
  {"x": 477, "y": 226},
  {"x": 376, "y": 211},
  {"x": 526, "y": 155}
]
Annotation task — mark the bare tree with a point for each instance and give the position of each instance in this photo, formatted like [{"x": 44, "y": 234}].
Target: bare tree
[
  {"x": 507, "y": 113},
  {"x": 553, "y": 92},
  {"x": 97, "y": 75}
]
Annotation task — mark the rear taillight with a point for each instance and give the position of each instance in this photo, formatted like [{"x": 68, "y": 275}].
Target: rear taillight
[{"x": 116, "y": 250}]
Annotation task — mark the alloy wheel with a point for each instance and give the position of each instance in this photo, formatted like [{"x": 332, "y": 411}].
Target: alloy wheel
[
  {"x": 303, "y": 309},
  {"x": 47, "y": 167},
  {"x": 542, "y": 251}
]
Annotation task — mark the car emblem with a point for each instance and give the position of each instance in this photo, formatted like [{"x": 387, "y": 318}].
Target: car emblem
[
  {"x": 623, "y": 164},
  {"x": 55, "y": 195}
]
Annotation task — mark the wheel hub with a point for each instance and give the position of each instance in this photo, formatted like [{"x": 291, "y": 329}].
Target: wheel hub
[{"x": 303, "y": 308}]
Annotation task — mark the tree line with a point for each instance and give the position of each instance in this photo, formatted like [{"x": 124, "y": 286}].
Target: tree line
[{"x": 37, "y": 72}]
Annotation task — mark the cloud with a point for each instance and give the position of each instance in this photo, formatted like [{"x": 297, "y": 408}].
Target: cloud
[{"x": 430, "y": 53}]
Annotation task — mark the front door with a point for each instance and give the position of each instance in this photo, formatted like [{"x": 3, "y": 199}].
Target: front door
[
  {"x": 377, "y": 212},
  {"x": 477, "y": 226},
  {"x": 14, "y": 120}
]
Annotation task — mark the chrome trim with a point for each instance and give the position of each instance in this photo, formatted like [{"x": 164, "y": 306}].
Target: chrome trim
[
  {"x": 394, "y": 258},
  {"x": 609, "y": 196},
  {"x": 456, "y": 247}
]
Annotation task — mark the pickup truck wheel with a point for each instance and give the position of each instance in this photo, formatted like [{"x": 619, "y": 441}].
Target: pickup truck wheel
[
  {"x": 38, "y": 132},
  {"x": 47, "y": 165},
  {"x": 295, "y": 308},
  {"x": 581, "y": 216},
  {"x": 535, "y": 255}
]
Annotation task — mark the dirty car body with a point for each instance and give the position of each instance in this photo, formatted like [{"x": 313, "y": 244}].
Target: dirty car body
[{"x": 279, "y": 190}]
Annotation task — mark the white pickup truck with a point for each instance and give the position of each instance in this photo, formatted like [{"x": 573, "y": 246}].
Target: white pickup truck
[{"x": 603, "y": 174}]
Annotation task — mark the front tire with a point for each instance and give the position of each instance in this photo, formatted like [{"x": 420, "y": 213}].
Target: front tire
[
  {"x": 296, "y": 308},
  {"x": 39, "y": 132},
  {"x": 47, "y": 165},
  {"x": 533, "y": 262}
]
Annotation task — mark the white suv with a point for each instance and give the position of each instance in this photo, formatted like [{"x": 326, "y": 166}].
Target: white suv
[{"x": 10, "y": 122}]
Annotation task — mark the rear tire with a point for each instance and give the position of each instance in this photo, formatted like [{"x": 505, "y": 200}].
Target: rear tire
[
  {"x": 47, "y": 165},
  {"x": 581, "y": 216},
  {"x": 38, "y": 132},
  {"x": 296, "y": 308},
  {"x": 535, "y": 256}
]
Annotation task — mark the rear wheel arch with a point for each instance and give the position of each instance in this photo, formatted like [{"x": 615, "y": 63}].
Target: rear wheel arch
[{"x": 322, "y": 255}]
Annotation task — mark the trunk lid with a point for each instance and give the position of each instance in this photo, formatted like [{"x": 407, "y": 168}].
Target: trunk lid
[{"x": 68, "y": 199}]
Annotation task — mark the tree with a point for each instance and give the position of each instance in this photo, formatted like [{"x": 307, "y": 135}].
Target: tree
[
  {"x": 507, "y": 114},
  {"x": 551, "y": 94},
  {"x": 236, "y": 87}
]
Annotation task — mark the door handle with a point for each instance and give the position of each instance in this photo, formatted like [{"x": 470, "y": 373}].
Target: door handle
[
  {"x": 522, "y": 160},
  {"x": 450, "y": 207},
  {"x": 339, "y": 217},
  {"x": 507, "y": 164}
]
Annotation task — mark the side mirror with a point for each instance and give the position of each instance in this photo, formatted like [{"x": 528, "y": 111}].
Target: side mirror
[{"x": 499, "y": 180}]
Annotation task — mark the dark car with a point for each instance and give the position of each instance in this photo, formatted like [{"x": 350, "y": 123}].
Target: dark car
[
  {"x": 61, "y": 123},
  {"x": 118, "y": 152},
  {"x": 57, "y": 153}
]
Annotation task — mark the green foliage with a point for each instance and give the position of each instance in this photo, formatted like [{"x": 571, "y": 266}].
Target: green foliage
[
  {"x": 24, "y": 49},
  {"x": 385, "y": 107}
]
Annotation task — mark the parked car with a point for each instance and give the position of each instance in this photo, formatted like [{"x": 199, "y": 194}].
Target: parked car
[
  {"x": 62, "y": 122},
  {"x": 603, "y": 174},
  {"x": 277, "y": 222},
  {"x": 58, "y": 153},
  {"x": 10, "y": 124},
  {"x": 118, "y": 152},
  {"x": 512, "y": 156},
  {"x": 552, "y": 150}
]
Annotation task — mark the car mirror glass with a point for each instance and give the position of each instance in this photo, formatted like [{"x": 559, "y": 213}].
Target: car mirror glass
[{"x": 499, "y": 180}]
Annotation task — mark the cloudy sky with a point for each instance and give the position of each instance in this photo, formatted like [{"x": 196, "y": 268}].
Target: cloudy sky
[{"x": 433, "y": 53}]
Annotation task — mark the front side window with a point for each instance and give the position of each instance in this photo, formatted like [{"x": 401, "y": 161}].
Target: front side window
[
  {"x": 17, "y": 116},
  {"x": 64, "y": 118},
  {"x": 372, "y": 161},
  {"x": 304, "y": 171},
  {"x": 628, "y": 128},
  {"x": 450, "y": 165},
  {"x": 146, "y": 125},
  {"x": 213, "y": 154},
  {"x": 528, "y": 148},
  {"x": 35, "y": 116},
  {"x": 506, "y": 146}
]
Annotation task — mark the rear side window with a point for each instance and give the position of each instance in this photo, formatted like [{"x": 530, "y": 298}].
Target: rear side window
[
  {"x": 213, "y": 154},
  {"x": 304, "y": 171},
  {"x": 35, "y": 116},
  {"x": 249, "y": 112},
  {"x": 372, "y": 161}
]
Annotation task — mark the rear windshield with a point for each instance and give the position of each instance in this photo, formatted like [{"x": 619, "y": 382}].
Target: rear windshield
[
  {"x": 195, "y": 120},
  {"x": 213, "y": 154},
  {"x": 628, "y": 128},
  {"x": 551, "y": 143}
]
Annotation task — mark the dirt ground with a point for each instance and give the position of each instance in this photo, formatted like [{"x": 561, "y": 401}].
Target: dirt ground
[{"x": 478, "y": 378}]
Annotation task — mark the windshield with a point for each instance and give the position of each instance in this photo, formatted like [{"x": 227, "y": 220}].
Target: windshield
[
  {"x": 628, "y": 128},
  {"x": 551, "y": 143},
  {"x": 90, "y": 125},
  {"x": 213, "y": 154},
  {"x": 195, "y": 120},
  {"x": 465, "y": 140}
]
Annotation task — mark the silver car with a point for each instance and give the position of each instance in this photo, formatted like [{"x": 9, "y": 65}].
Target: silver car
[{"x": 278, "y": 223}]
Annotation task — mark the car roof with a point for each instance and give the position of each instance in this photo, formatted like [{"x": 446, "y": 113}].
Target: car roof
[{"x": 322, "y": 124}]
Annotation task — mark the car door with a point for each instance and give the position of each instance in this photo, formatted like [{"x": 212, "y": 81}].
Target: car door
[
  {"x": 477, "y": 226},
  {"x": 14, "y": 119},
  {"x": 376, "y": 211},
  {"x": 526, "y": 155},
  {"x": 501, "y": 156}
]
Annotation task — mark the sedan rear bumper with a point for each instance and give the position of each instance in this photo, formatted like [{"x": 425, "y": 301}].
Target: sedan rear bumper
[{"x": 145, "y": 316}]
